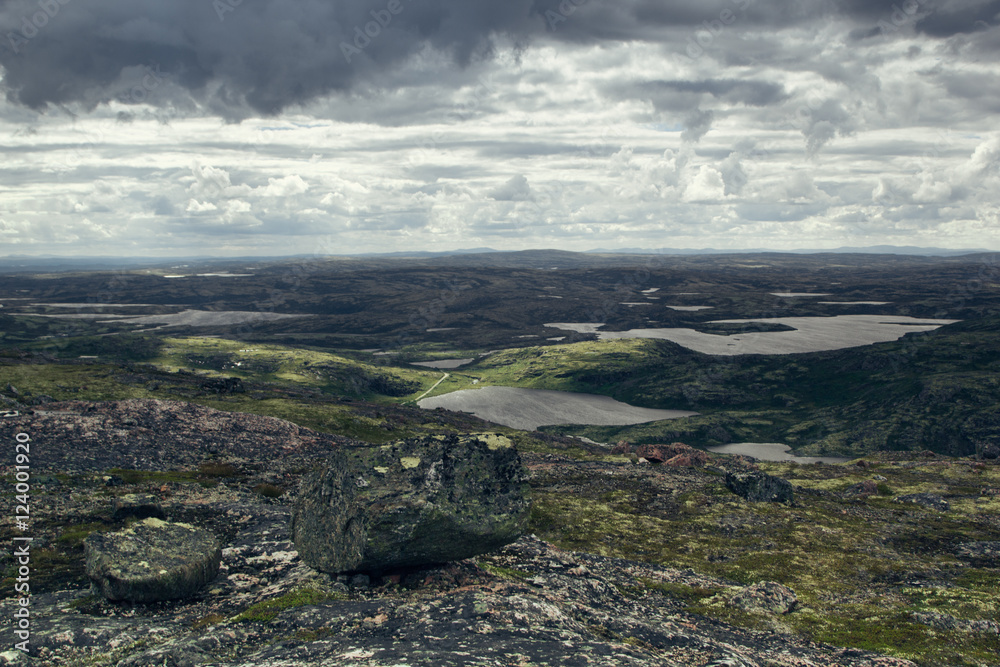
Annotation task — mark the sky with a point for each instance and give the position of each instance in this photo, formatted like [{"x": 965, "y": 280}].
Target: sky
[{"x": 277, "y": 127}]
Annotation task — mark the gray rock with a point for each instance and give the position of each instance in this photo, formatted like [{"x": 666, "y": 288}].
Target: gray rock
[
  {"x": 950, "y": 623},
  {"x": 990, "y": 452},
  {"x": 767, "y": 596},
  {"x": 759, "y": 487},
  {"x": 412, "y": 503},
  {"x": 926, "y": 500},
  {"x": 984, "y": 554},
  {"x": 178, "y": 655},
  {"x": 14, "y": 658},
  {"x": 152, "y": 560},
  {"x": 136, "y": 506}
]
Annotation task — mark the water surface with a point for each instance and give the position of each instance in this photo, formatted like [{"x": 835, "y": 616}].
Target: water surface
[
  {"x": 771, "y": 451},
  {"x": 528, "y": 409}
]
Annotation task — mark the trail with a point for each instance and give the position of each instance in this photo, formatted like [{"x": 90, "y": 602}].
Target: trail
[{"x": 443, "y": 378}]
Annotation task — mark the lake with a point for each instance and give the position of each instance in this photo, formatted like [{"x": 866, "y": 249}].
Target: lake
[
  {"x": 811, "y": 334},
  {"x": 771, "y": 451},
  {"x": 527, "y": 409},
  {"x": 442, "y": 363}
]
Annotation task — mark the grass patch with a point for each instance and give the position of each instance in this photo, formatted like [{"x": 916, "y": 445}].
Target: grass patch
[
  {"x": 73, "y": 536},
  {"x": 268, "y": 610}
]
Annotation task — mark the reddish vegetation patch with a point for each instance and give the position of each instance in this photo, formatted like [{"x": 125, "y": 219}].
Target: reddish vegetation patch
[
  {"x": 676, "y": 454},
  {"x": 622, "y": 448}
]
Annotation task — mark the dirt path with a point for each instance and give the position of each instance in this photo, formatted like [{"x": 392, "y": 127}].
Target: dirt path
[{"x": 443, "y": 378}]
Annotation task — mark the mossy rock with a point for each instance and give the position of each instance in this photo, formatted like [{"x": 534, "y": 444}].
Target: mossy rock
[
  {"x": 411, "y": 503},
  {"x": 151, "y": 561}
]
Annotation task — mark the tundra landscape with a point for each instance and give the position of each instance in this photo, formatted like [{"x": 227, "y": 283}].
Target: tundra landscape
[
  {"x": 500, "y": 333},
  {"x": 868, "y": 534}
]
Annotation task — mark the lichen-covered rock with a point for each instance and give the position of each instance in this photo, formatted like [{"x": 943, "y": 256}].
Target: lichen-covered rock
[
  {"x": 759, "y": 487},
  {"x": 411, "y": 503},
  {"x": 152, "y": 560},
  {"x": 984, "y": 554},
  {"x": 930, "y": 500},
  {"x": 862, "y": 489},
  {"x": 767, "y": 596},
  {"x": 948, "y": 622},
  {"x": 136, "y": 506}
]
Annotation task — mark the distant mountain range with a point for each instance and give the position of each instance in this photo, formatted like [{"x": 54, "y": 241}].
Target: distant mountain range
[
  {"x": 867, "y": 250},
  {"x": 45, "y": 263}
]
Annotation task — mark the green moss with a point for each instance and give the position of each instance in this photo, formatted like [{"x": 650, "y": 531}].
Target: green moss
[
  {"x": 74, "y": 535},
  {"x": 268, "y": 610},
  {"x": 678, "y": 590},
  {"x": 506, "y": 572}
]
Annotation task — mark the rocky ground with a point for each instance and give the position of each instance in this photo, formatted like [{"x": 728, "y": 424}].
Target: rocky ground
[{"x": 707, "y": 578}]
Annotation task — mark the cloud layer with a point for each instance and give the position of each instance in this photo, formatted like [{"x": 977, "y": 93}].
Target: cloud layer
[{"x": 280, "y": 126}]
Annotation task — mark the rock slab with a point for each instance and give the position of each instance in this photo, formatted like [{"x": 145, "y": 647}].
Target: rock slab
[
  {"x": 759, "y": 487},
  {"x": 152, "y": 560},
  {"x": 411, "y": 503}
]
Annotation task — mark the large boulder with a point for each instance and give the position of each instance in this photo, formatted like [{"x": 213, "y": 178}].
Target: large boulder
[
  {"x": 411, "y": 503},
  {"x": 758, "y": 487},
  {"x": 990, "y": 452},
  {"x": 152, "y": 560}
]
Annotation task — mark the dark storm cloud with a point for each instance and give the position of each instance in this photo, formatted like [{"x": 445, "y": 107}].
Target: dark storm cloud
[
  {"x": 232, "y": 54},
  {"x": 965, "y": 18},
  {"x": 237, "y": 57},
  {"x": 679, "y": 94}
]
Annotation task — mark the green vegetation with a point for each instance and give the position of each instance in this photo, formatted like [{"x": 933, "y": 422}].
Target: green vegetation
[
  {"x": 268, "y": 610},
  {"x": 902, "y": 395},
  {"x": 846, "y": 560}
]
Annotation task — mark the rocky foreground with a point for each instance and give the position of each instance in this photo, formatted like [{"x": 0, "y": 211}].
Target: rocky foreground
[{"x": 529, "y": 603}]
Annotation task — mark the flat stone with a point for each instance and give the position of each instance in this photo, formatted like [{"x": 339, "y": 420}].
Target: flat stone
[
  {"x": 412, "y": 503},
  {"x": 152, "y": 560}
]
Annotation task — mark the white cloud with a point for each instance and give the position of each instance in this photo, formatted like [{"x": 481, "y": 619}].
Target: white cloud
[
  {"x": 287, "y": 186},
  {"x": 706, "y": 186}
]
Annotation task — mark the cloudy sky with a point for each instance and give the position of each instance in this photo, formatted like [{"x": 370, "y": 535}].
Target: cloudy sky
[{"x": 268, "y": 127}]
